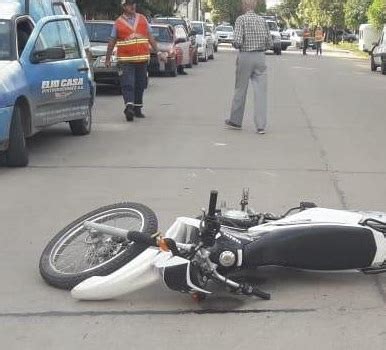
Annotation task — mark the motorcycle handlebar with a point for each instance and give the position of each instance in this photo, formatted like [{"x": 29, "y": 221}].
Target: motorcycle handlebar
[
  {"x": 212, "y": 203},
  {"x": 140, "y": 237}
]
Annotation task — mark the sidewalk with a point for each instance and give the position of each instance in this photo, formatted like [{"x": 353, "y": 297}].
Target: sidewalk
[{"x": 336, "y": 51}]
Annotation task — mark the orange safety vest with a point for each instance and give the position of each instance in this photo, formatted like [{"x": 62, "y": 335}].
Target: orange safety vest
[
  {"x": 132, "y": 50},
  {"x": 319, "y": 35}
]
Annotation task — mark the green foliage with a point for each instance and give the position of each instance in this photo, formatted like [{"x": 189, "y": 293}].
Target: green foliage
[
  {"x": 229, "y": 10},
  {"x": 355, "y": 13},
  {"x": 287, "y": 12},
  {"x": 112, "y": 8},
  {"x": 377, "y": 13},
  {"x": 327, "y": 13}
]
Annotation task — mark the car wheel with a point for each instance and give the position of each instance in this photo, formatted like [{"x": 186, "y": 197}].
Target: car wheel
[
  {"x": 383, "y": 68},
  {"x": 284, "y": 48},
  {"x": 190, "y": 64},
  {"x": 211, "y": 57},
  {"x": 17, "y": 153},
  {"x": 173, "y": 72},
  {"x": 82, "y": 127},
  {"x": 195, "y": 59},
  {"x": 205, "y": 59},
  {"x": 373, "y": 66}
]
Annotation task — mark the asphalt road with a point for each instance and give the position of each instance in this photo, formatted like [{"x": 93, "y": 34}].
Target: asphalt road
[{"x": 326, "y": 143}]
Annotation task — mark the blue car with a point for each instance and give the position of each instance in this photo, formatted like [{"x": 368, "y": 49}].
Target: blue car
[{"x": 45, "y": 78}]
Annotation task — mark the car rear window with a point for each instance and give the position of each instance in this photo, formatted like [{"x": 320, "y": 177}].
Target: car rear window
[
  {"x": 224, "y": 29},
  {"x": 99, "y": 32},
  {"x": 198, "y": 28},
  {"x": 162, "y": 34}
]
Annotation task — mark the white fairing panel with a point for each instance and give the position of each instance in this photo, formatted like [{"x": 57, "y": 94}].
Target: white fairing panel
[
  {"x": 135, "y": 275},
  {"x": 138, "y": 273}
]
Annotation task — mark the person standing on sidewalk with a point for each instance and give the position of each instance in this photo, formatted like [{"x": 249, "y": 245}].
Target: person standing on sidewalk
[
  {"x": 306, "y": 38},
  {"x": 319, "y": 38},
  {"x": 131, "y": 34},
  {"x": 252, "y": 38}
]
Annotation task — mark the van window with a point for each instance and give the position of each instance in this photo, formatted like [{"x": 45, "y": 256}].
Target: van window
[
  {"x": 5, "y": 40},
  {"x": 24, "y": 29},
  {"x": 59, "y": 34},
  {"x": 59, "y": 9}
]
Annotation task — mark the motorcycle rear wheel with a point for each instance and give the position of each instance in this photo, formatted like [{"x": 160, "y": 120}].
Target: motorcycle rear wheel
[{"x": 76, "y": 254}]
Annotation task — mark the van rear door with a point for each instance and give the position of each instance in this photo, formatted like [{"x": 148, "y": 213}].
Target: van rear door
[{"x": 61, "y": 86}]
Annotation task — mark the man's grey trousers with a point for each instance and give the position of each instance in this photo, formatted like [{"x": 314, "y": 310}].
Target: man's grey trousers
[{"x": 250, "y": 66}]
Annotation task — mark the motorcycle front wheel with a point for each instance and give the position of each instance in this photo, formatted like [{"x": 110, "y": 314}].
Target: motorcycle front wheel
[{"x": 77, "y": 253}]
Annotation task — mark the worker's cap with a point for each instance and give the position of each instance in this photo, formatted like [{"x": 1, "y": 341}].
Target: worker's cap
[{"x": 129, "y": 2}]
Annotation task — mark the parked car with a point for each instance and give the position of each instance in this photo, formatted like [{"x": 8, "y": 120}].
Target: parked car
[
  {"x": 204, "y": 40},
  {"x": 168, "y": 45},
  {"x": 225, "y": 34},
  {"x": 184, "y": 46},
  {"x": 174, "y": 21},
  {"x": 378, "y": 53},
  {"x": 285, "y": 40},
  {"x": 212, "y": 29},
  {"x": 276, "y": 37},
  {"x": 45, "y": 77},
  {"x": 297, "y": 40},
  {"x": 345, "y": 35},
  {"x": 99, "y": 33},
  {"x": 296, "y": 36}
]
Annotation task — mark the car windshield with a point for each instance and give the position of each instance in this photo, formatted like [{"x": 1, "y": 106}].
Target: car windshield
[
  {"x": 224, "y": 29},
  {"x": 299, "y": 32},
  {"x": 162, "y": 34},
  {"x": 5, "y": 40},
  {"x": 273, "y": 26},
  {"x": 197, "y": 27},
  {"x": 99, "y": 32}
]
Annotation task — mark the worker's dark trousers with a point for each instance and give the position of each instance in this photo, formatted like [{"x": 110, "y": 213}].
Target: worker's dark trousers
[{"x": 133, "y": 77}]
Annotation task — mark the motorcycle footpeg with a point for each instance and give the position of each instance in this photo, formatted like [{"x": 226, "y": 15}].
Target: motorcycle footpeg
[{"x": 248, "y": 289}]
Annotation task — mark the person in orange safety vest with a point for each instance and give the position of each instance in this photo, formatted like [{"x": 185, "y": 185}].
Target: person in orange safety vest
[
  {"x": 319, "y": 38},
  {"x": 306, "y": 38},
  {"x": 132, "y": 36}
]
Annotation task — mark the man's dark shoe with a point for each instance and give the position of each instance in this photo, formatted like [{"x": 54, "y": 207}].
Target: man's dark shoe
[
  {"x": 231, "y": 125},
  {"x": 138, "y": 113},
  {"x": 129, "y": 113}
]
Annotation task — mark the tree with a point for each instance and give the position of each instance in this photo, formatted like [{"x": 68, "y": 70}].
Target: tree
[
  {"x": 229, "y": 10},
  {"x": 326, "y": 13},
  {"x": 355, "y": 13},
  {"x": 377, "y": 13},
  {"x": 112, "y": 8},
  {"x": 287, "y": 12}
]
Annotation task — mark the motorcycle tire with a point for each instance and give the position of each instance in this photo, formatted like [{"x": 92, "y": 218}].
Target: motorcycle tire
[{"x": 103, "y": 253}]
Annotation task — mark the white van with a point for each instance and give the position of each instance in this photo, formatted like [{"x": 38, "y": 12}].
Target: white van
[{"x": 368, "y": 35}]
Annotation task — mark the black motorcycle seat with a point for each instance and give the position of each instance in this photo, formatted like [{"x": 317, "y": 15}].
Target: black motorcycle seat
[{"x": 314, "y": 247}]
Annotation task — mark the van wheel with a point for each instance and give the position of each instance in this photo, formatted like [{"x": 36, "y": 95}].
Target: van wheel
[
  {"x": 17, "y": 153},
  {"x": 81, "y": 127},
  {"x": 383, "y": 68},
  {"x": 372, "y": 64}
]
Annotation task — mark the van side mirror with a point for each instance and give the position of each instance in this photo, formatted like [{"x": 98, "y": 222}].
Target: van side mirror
[{"x": 54, "y": 53}]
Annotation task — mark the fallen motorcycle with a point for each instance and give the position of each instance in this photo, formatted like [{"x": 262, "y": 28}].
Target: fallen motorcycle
[{"x": 117, "y": 249}]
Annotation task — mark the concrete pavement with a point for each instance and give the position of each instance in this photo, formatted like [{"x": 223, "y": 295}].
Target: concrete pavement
[{"x": 325, "y": 143}]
